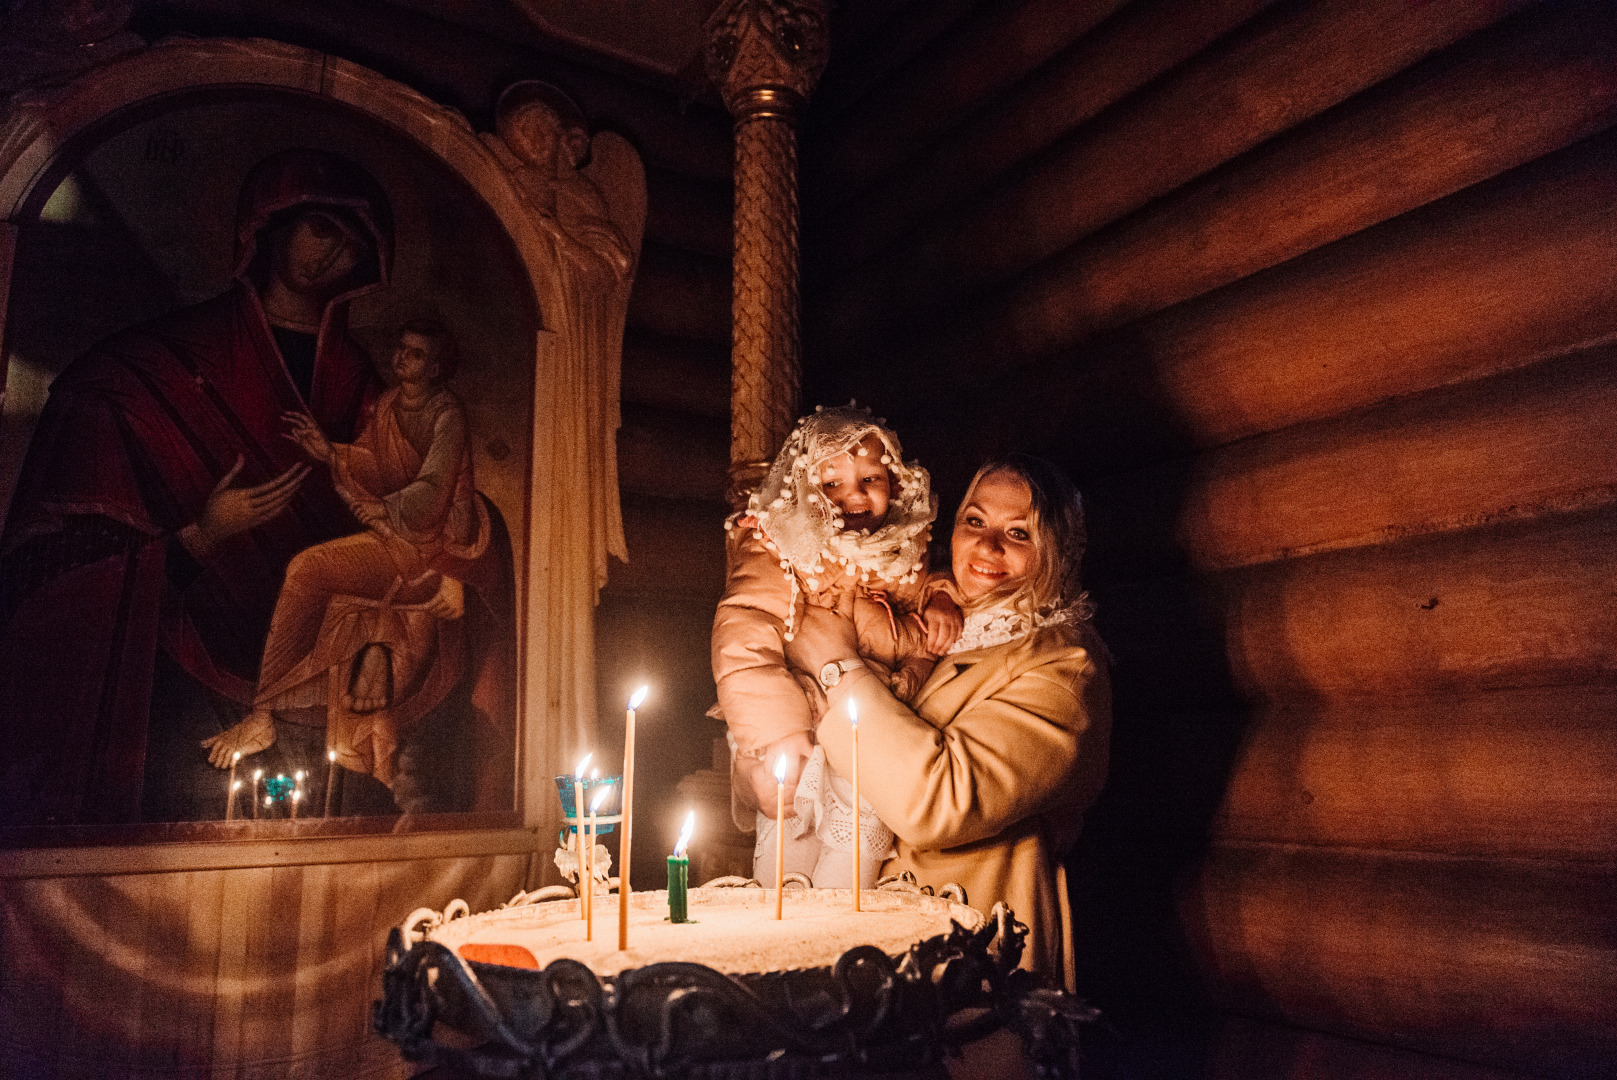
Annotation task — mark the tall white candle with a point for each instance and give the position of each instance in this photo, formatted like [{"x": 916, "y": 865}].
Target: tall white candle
[
  {"x": 628, "y": 811},
  {"x": 230, "y": 787},
  {"x": 589, "y": 921},
  {"x": 780, "y": 833},
  {"x": 578, "y": 824},
  {"x": 331, "y": 780},
  {"x": 853, "y": 722}
]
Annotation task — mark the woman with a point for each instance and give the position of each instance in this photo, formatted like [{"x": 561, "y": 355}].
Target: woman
[{"x": 984, "y": 779}]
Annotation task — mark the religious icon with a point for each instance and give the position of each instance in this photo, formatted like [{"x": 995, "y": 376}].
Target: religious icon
[{"x": 234, "y": 533}]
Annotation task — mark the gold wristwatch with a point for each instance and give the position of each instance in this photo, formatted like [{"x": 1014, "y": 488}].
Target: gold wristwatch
[{"x": 832, "y": 673}]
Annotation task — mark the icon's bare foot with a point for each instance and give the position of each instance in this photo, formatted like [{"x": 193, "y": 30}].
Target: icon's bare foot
[
  {"x": 255, "y": 733},
  {"x": 371, "y": 687}
]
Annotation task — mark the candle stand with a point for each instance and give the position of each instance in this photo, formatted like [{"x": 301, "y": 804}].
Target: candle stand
[{"x": 866, "y": 1013}]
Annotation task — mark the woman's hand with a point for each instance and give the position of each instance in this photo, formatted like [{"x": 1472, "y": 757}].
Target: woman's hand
[
  {"x": 822, "y": 637},
  {"x": 798, "y": 748},
  {"x": 307, "y": 434},
  {"x": 943, "y": 621}
]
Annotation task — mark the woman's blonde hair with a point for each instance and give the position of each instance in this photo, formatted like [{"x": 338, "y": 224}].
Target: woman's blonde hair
[{"x": 1056, "y": 525}]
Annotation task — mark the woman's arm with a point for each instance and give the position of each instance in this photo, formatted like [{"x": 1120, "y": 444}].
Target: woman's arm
[{"x": 999, "y": 761}]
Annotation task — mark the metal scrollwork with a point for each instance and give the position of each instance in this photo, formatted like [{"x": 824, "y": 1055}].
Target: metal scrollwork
[{"x": 674, "y": 1020}]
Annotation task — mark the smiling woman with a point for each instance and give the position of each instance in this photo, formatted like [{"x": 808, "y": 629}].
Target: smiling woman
[{"x": 985, "y": 777}]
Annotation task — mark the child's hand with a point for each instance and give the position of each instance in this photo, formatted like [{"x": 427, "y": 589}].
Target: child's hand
[
  {"x": 943, "y": 620},
  {"x": 307, "y": 434},
  {"x": 798, "y": 748}
]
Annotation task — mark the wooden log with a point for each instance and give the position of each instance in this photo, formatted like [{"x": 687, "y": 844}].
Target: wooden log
[
  {"x": 1534, "y": 84},
  {"x": 1516, "y": 269},
  {"x": 1537, "y": 440},
  {"x": 1272, "y": 74},
  {"x": 688, "y": 213},
  {"x": 676, "y": 375},
  {"x": 1505, "y": 963},
  {"x": 1240, "y": 1049},
  {"x": 681, "y": 294},
  {"x": 1519, "y": 604},
  {"x": 1098, "y": 70},
  {"x": 983, "y": 55},
  {"x": 1523, "y": 773},
  {"x": 672, "y": 455},
  {"x": 674, "y": 545}
]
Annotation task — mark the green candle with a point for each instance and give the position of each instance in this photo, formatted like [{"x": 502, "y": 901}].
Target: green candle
[{"x": 679, "y": 874}]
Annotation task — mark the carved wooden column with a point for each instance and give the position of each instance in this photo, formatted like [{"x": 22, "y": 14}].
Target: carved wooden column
[{"x": 765, "y": 56}]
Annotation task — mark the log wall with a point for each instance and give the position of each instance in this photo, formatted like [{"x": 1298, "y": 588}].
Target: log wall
[{"x": 1316, "y": 301}]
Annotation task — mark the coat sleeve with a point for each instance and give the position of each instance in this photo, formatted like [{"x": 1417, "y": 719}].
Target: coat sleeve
[
  {"x": 759, "y": 697},
  {"x": 1002, "y": 759}
]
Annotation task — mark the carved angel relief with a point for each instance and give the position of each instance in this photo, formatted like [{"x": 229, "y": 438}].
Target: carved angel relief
[{"x": 588, "y": 197}]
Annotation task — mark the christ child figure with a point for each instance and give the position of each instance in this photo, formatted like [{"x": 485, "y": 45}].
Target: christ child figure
[{"x": 408, "y": 479}]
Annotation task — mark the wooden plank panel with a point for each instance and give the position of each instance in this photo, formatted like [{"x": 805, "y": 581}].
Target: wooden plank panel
[
  {"x": 1509, "y": 773},
  {"x": 674, "y": 544},
  {"x": 677, "y": 375},
  {"x": 884, "y": 46},
  {"x": 1269, "y": 76},
  {"x": 1503, "y": 963},
  {"x": 1540, "y": 81},
  {"x": 688, "y": 213},
  {"x": 1120, "y": 56},
  {"x": 681, "y": 294},
  {"x": 985, "y": 54},
  {"x": 673, "y": 455},
  {"x": 1528, "y": 442},
  {"x": 1521, "y": 604}
]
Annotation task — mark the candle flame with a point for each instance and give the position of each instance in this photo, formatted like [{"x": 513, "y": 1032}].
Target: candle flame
[
  {"x": 268, "y": 801},
  {"x": 258, "y": 774},
  {"x": 235, "y": 786},
  {"x": 578, "y": 773},
  {"x": 331, "y": 755},
  {"x": 235, "y": 757},
  {"x": 297, "y": 793},
  {"x": 853, "y": 713},
  {"x": 780, "y": 769},
  {"x": 639, "y": 698},
  {"x": 685, "y": 834},
  {"x": 600, "y": 797},
  {"x": 300, "y": 774}
]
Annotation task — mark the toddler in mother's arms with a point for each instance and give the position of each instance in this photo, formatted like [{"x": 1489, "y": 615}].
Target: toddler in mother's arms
[{"x": 840, "y": 521}]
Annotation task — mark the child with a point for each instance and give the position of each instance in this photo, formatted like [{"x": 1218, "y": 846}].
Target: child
[
  {"x": 408, "y": 479},
  {"x": 840, "y": 516}
]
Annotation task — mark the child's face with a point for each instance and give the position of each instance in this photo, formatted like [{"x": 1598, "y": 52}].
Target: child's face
[
  {"x": 858, "y": 485},
  {"x": 412, "y": 359}
]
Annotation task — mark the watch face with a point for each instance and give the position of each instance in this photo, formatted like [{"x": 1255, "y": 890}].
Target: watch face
[{"x": 830, "y": 675}]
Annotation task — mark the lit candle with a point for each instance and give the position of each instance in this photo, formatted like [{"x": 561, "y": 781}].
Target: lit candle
[
  {"x": 230, "y": 787},
  {"x": 853, "y": 722},
  {"x": 258, "y": 774},
  {"x": 628, "y": 809},
  {"x": 679, "y": 874},
  {"x": 331, "y": 779},
  {"x": 578, "y": 822},
  {"x": 589, "y": 882},
  {"x": 780, "y": 833},
  {"x": 297, "y": 791}
]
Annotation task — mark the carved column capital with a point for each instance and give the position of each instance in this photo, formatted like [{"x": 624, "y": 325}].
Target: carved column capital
[{"x": 766, "y": 55}]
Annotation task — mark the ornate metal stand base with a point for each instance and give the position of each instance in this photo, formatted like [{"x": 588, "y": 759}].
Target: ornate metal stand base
[{"x": 866, "y": 1013}]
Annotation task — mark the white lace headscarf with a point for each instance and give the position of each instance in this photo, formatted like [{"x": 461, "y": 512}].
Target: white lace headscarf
[{"x": 805, "y": 530}]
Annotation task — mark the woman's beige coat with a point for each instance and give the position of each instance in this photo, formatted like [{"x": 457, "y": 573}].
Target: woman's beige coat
[{"x": 986, "y": 780}]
